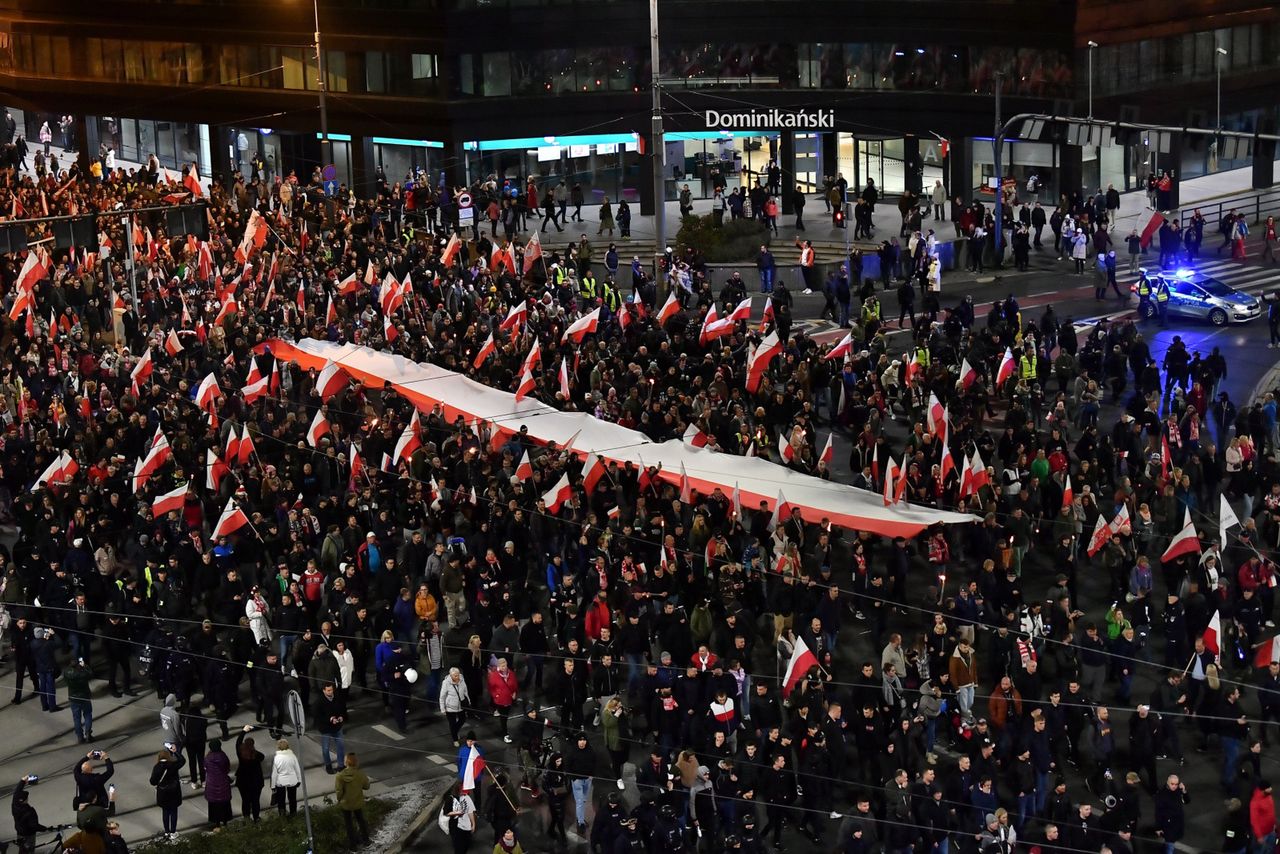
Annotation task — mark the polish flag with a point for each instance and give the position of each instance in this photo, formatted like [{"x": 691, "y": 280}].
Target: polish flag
[
  {"x": 33, "y": 270},
  {"x": 387, "y": 465},
  {"x": 875, "y": 462},
  {"x": 23, "y": 301},
  {"x": 150, "y": 463},
  {"x": 582, "y": 327},
  {"x": 330, "y": 313},
  {"x": 948, "y": 462},
  {"x": 1122, "y": 524},
  {"x": 533, "y": 359},
  {"x": 708, "y": 321},
  {"x": 901, "y": 489},
  {"x": 1186, "y": 541},
  {"x": 564, "y": 377},
  {"x": 968, "y": 376},
  {"x": 802, "y": 661},
  {"x": 370, "y": 273},
  {"x": 558, "y": 494},
  {"x": 784, "y": 449},
  {"x": 592, "y": 470},
  {"x": 768, "y": 312},
  {"x": 912, "y": 369},
  {"x": 1101, "y": 535},
  {"x": 254, "y": 374},
  {"x": 174, "y": 500},
  {"x": 694, "y": 436},
  {"x": 172, "y": 345},
  {"x": 304, "y": 237},
  {"x": 192, "y": 182},
  {"x": 532, "y": 251},
  {"x": 246, "y": 446},
  {"x": 55, "y": 472},
  {"x": 742, "y": 311},
  {"x": 232, "y": 520},
  {"x": 319, "y": 428},
  {"x": 1227, "y": 519},
  {"x": 390, "y": 298},
  {"x": 451, "y": 250},
  {"x": 389, "y": 330},
  {"x": 669, "y": 309},
  {"x": 526, "y": 385},
  {"x": 1213, "y": 635},
  {"x": 255, "y": 235},
  {"x": 1068, "y": 495},
  {"x": 980, "y": 476},
  {"x": 524, "y": 470},
  {"x": 1166, "y": 458},
  {"x": 1006, "y": 367},
  {"x": 518, "y": 314},
  {"x": 255, "y": 390},
  {"x": 686, "y": 490},
  {"x": 486, "y": 350},
  {"x": 844, "y": 348},
  {"x": 207, "y": 392},
  {"x": 829, "y": 451},
  {"x": 410, "y": 440},
  {"x": 215, "y": 470},
  {"x": 349, "y": 285},
  {"x": 300, "y": 298},
  {"x": 357, "y": 468},
  {"x": 143, "y": 369},
  {"x": 229, "y": 306},
  {"x": 232, "y": 452},
  {"x": 781, "y": 511},
  {"x": 936, "y": 414},
  {"x": 331, "y": 380},
  {"x": 204, "y": 261},
  {"x": 471, "y": 769},
  {"x": 1267, "y": 652},
  {"x": 768, "y": 350},
  {"x": 273, "y": 273},
  {"x": 890, "y": 483}
]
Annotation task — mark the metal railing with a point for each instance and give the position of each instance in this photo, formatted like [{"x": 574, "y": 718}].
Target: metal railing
[{"x": 1255, "y": 204}]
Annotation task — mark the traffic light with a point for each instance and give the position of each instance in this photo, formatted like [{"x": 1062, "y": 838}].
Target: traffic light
[{"x": 837, "y": 217}]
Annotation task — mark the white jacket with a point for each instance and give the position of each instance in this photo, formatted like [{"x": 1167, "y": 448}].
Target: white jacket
[
  {"x": 346, "y": 666},
  {"x": 285, "y": 770},
  {"x": 453, "y": 696},
  {"x": 257, "y": 615}
]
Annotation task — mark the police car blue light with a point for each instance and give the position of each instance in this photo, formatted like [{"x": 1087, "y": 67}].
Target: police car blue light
[{"x": 1196, "y": 296}]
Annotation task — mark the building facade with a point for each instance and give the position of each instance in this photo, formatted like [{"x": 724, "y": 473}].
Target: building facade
[{"x": 900, "y": 93}]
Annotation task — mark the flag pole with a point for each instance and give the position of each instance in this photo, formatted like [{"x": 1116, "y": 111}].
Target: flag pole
[{"x": 501, "y": 789}]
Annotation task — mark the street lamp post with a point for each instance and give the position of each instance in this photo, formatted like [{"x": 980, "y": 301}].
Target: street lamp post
[
  {"x": 1092, "y": 47},
  {"x": 1217, "y": 126},
  {"x": 658, "y": 145},
  {"x": 325, "y": 143}
]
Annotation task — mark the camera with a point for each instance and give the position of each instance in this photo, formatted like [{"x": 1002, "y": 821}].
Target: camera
[
  {"x": 97, "y": 754},
  {"x": 32, "y": 779}
]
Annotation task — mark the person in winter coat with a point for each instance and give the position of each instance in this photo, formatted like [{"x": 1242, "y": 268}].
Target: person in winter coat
[
  {"x": 256, "y": 609},
  {"x": 350, "y": 784},
  {"x": 1262, "y": 817},
  {"x": 286, "y": 777},
  {"x": 502, "y": 690},
  {"x": 166, "y": 777},
  {"x": 454, "y": 702},
  {"x": 217, "y": 784},
  {"x": 249, "y": 777},
  {"x": 171, "y": 722}
]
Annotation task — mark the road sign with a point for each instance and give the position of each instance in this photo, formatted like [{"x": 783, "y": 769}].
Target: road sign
[
  {"x": 297, "y": 715},
  {"x": 331, "y": 187},
  {"x": 330, "y": 172},
  {"x": 464, "y": 200},
  {"x": 466, "y": 217}
]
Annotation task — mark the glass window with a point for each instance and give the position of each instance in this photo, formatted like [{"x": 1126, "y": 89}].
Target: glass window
[
  {"x": 294, "y": 60},
  {"x": 424, "y": 66},
  {"x": 375, "y": 71},
  {"x": 335, "y": 70},
  {"x": 496, "y": 77}
]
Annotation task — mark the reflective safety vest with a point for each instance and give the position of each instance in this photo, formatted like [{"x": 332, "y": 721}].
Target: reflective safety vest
[
  {"x": 1027, "y": 367},
  {"x": 587, "y": 288},
  {"x": 1162, "y": 293},
  {"x": 1144, "y": 287},
  {"x": 612, "y": 299},
  {"x": 922, "y": 356},
  {"x": 558, "y": 274}
]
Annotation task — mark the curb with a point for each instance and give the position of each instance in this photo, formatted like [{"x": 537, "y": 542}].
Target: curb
[{"x": 424, "y": 817}]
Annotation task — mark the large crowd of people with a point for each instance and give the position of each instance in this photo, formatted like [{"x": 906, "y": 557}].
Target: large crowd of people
[{"x": 1021, "y": 682}]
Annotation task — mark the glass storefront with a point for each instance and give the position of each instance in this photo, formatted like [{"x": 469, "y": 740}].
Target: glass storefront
[
  {"x": 883, "y": 160},
  {"x": 1020, "y": 160},
  {"x": 703, "y": 159},
  {"x": 604, "y": 165},
  {"x": 400, "y": 158}
]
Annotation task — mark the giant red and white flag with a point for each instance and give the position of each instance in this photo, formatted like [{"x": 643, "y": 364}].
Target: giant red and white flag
[
  {"x": 1006, "y": 367},
  {"x": 518, "y": 314},
  {"x": 802, "y": 661},
  {"x": 1186, "y": 541},
  {"x": 215, "y": 470},
  {"x": 232, "y": 520}
]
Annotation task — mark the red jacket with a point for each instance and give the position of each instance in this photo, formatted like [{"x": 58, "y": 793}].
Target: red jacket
[
  {"x": 502, "y": 690},
  {"x": 1262, "y": 814},
  {"x": 597, "y": 618}
]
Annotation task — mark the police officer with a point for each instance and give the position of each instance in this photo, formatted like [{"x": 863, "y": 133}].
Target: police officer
[
  {"x": 587, "y": 289},
  {"x": 1027, "y": 365},
  {"x": 1162, "y": 301},
  {"x": 1144, "y": 295}
]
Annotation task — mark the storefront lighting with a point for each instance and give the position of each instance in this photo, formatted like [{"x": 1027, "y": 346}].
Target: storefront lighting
[
  {"x": 920, "y": 50},
  {"x": 265, "y": 131},
  {"x": 898, "y": 53},
  {"x": 549, "y": 140}
]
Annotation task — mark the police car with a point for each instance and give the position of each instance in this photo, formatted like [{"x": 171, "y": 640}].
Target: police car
[{"x": 1198, "y": 296}]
